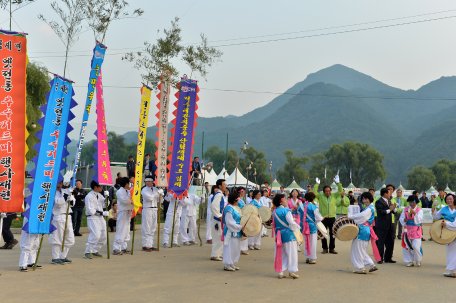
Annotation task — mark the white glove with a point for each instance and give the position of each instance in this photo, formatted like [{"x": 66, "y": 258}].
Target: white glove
[
  {"x": 202, "y": 196},
  {"x": 70, "y": 189},
  {"x": 106, "y": 193},
  {"x": 106, "y": 213},
  {"x": 3, "y": 215},
  {"x": 160, "y": 191},
  {"x": 336, "y": 179},
  {"x": 317, "y": 180}
]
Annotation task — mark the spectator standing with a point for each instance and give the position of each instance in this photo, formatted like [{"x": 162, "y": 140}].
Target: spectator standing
[
  {"x": 119, "y": 176},
  {"x": 8, "y": 236},
  {"x": 401, "y": 203},
  {"x": 146, "y": 164},
  {"x": 131, "y": 164},
  {"x": 342, "y": 204},
  {"x": 113, "y": 217},
  {"x": 78, "y": 208},
  {"x": 196, "y": 170},
  {"x": 351, "y": 198},
  {"x": 425, "y": 203}
]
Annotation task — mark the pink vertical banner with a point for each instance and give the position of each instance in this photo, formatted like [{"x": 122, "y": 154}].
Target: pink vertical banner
[{"x": 104, "y": 165}]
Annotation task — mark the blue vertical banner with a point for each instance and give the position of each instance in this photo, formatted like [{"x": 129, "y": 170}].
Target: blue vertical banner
[
  {"x": 183, "y": 133},
  {"x": 51, "y": 151},
  {"x": 97, "y": 60}
]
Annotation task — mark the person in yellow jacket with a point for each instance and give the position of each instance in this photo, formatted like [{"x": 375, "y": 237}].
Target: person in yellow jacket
[
  {"x": 401, "y": 204},
  {"x": 342, "y": 204},
  {"x": 439, "y": 202},
  {"x": 327, "y": 208}
]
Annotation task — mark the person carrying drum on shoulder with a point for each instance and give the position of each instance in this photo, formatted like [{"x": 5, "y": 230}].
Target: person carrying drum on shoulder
[
  {"x": 255, "y": 242},
  {"x": 358, "y": 253},
  {"x": 283, "y": 227},
  {"x": 327, "y": 208},
  {"x": 309, "y": 217},
  {"x": 241, "y": 204},
  {"x": 411, "y": 219},
  {"x": 448, "y": 213},
  {"x": 232, "y": 233}
]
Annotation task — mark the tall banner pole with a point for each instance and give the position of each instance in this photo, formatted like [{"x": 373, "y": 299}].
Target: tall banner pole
[
  {"x": 97, "y": 60},
  {"x": 158, "y": 222},
  {"x": 13, "y": 133}
]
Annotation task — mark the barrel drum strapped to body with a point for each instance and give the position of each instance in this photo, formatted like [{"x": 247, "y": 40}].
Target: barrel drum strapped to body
[
  {"x": 440, "y": 234},
  {"x": 345, "y": 229}
]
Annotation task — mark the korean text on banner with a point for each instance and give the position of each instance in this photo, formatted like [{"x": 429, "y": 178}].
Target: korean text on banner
[
  {"x": 183, "y": 133},
  {"x": 103, "y": 175},
  {"x": 143, "y": 117},
  {"x": 13, "y": 132},
  {"x": 97, "y": 60},
  {"x": 51, "y": 151},
  {"x": 162, "y": 134}
]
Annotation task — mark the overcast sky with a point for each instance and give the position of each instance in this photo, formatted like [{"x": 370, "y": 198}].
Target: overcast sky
[{"x": 406, "y": 57}]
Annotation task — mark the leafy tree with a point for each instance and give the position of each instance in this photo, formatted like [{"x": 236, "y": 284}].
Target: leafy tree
[
  {"x": 198, "y": 58},
  {"x": 251, "y": 155},
  {"x": 37, "y": 86},
  {"x": 71, "y": 15},
  {"x": 445, "y": 173},
  {"x": 365, "y": 162},
  {"x": 18, "y": 4},
  {"x": 317, "y": 170},
  {"x": 293, "y": 169},
  {"x": 101, "y": 13},
  {"x": 420, "y": 178}
]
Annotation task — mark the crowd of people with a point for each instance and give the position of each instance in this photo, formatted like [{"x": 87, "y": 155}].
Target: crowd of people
[{"x": 380, "y": 221}]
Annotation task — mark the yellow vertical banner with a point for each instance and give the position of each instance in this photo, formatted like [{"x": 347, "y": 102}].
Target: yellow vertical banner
[{"x": 146, "y": 93}]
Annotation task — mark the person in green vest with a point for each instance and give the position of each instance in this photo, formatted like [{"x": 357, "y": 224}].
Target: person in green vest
[
  {"x": 342, "y": 204},
  {"x": 327, "y": 208},
  {"x": 439, "y": 202},
  {"x": 401, "y": 204}
]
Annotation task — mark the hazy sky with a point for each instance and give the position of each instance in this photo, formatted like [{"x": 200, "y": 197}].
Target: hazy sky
[{"x": 406, "y": 57}]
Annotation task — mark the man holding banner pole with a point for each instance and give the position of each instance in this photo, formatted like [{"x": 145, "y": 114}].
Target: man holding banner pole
[{"x": 151, "y": 196}]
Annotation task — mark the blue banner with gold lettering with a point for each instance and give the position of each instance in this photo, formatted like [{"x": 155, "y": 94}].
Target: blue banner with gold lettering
[
  {"x": 183, "y": 133},
  {"x": 97, "y": 60},
  {"x": 51, "y": 151}
]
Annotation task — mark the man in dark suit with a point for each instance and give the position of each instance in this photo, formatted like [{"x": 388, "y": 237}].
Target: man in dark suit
[{"x": 384, "y": 226}]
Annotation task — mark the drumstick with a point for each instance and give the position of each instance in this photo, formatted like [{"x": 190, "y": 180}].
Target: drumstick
[{"x": 441, "y": 231}]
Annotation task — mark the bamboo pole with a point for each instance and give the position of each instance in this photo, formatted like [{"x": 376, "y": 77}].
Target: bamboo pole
[
  {"x": 158, "y": 222},
  {"x": 66, "y": 224},
  {"x": 107, "y": 223},
  {"x": 174, "y": 220},
  {"x": 133, "y": 239},
  {"x": 38, "y": 253}
]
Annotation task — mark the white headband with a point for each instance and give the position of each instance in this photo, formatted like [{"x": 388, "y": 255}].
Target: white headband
[{"x": 149, "y": 179}]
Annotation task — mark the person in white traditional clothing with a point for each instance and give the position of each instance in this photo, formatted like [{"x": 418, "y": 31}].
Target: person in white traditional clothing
[
  {"x": 359, "y": 256},
  {"x": 255, "y": 242},
  {"x": 411, "y": 219},
  {"x": 151, "y": 198},
  {"x": 249, "y": 197},
  {"x": 168, "y": 229},
  {"x": 448, "y": 213},
  {"x": 188, "y": 220},
  {"x": 231, "y": 233},
  {"x": 209, "y": 217},
  {"x": 217, "y": 206},
  {"x": 95, "y": 203},
  {"x": 241, "y": 204},
  {"x": 286, "y": 247},
  {"x": 265, "y": 201},
  {"x": 59, "y": 211},
  {"x": 309, "y": 217},
  {"x": 125, "y": 211},
  {"x": 29, "y": 246}
]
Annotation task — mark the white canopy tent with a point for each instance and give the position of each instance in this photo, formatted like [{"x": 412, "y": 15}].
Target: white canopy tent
[
  {"x": 208, "y": 177},
  {"x": 213, "y": 173},
  {"x": 221, "y": 176},
  {"x": 240, "y": 181}
]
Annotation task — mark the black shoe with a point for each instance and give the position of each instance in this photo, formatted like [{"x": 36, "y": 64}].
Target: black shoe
[
  {"x": 4, "y": 246},
  {"x": 12, "y": 244},
  {"x": 112, "y": 230},
  {"x": 399, "y": 238},
  {"x": 77, "y": 234},
  {"x": 422, "y": 239},
  {"x": 390, "y": 261},
  {"x": 380, "y": 262},
  {"x": 37, "y": 266}
]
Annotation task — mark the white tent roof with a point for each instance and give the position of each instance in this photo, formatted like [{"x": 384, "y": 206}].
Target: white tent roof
[
  {"x": 220, "y": 176},
  {"x": 208, "y": 177},
  {"x": 294, "y": 185},
  {"x": 241, "y": 180},
  {"x": 213, "y": 173}
]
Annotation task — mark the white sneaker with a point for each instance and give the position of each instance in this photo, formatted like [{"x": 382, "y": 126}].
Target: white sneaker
[
  {"x": 299, "y": 249},
  {"x": 312, "y": 261},
  {"x": 235, "y": 267},
  {"x": 250, "y": 247},
  {"x": 229, "y": 268},
  {"x": 293, "y": 275},
  {"x": 418, "y": 264},
  {"x": 359, "y": 271},
  {"x": 410, "y": 264},
  {"x": 256, "y": 247},
  {"x": 185, "y": 244}
]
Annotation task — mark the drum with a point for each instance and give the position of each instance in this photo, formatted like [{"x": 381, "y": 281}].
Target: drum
[
  {"x": 252, "y": 224},
  {"x": 298, "y": 236},
  {"x": 238, "y": 209},
  {"x": 250, "y": 208},
  {"x": 265, "y": 213},
  {"x": 322, "y": 232},
  {"x": 345, "y": 229},
  {"x": 441, "y": 235}
]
